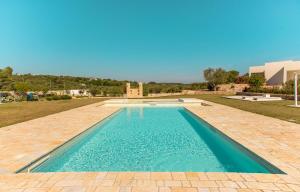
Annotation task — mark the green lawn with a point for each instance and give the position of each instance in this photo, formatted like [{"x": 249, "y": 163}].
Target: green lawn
[
  {"x": 11, "y": 113},
  {"x": 277, "y": 109}
]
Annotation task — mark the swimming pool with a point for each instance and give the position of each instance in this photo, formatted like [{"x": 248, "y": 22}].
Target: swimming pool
[{"x": 154, "y": 139}]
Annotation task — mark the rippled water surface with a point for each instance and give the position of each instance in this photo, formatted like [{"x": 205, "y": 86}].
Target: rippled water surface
[{"x": 152, "y": 139}]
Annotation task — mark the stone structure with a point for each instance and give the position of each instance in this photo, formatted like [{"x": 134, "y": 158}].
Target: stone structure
[
  {"x": 277, "y": 73},
  {"x": 134, "y": 92}
]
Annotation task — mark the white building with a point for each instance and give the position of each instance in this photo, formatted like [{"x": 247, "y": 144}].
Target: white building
[
  {"x": 72, "y": 92},
  {"x": 78, "y": 92},
  {"x": 277, "y": 73}
]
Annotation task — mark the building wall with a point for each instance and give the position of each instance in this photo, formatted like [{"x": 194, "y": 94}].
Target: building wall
[
  {"x": 256, "y": 69},
  {"x": 290, "y": 69},
  {"x": 274, "y": 72},
  {"x": 277, "y": 73}
]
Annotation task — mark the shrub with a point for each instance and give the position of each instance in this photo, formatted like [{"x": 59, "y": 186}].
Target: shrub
[
  {"x": 256, "y": 81},
  {"x": 65, "y": 97},
  {"x": 58, "y": 97}
]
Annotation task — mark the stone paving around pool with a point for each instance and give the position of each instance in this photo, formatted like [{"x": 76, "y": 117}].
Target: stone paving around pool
[{"x": 275, "y": 140}]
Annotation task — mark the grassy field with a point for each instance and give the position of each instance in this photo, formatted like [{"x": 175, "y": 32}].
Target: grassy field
[
  {"x": 277, "y": 109},
  {"x": 11, "y": 113}
]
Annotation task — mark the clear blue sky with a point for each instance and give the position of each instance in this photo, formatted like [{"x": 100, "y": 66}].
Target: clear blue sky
[{"x": 149, "y": 40}]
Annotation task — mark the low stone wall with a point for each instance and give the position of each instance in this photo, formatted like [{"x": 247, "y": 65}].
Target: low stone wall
[
  {"x": 232, "y": 87},
  {"x": 204, "y": 92},
  {"x": 163, "y": 94}
]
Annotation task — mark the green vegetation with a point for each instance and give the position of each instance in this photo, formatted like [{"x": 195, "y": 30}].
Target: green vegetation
[
  {"x": 16, "y": 112},
  {"x": 215, "y": 77},
  {"x": 6, "y": 78},
  {"x": 276, "y": 109},
  {"x": 286, "y": 89},
  {"x": 22, "y": 83},
  {"x": 232, "y": 76},
  {"x": 256, "y": 81},
  {"x": 58, "y": 97}
]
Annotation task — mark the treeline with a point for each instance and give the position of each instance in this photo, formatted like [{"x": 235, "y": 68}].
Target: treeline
[
  {"x": 217, "y": 76},
  {"x": 97, "y": 86}
]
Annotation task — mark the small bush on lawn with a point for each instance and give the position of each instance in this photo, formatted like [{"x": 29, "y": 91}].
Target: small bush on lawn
[{"x": 58, "y": 97}]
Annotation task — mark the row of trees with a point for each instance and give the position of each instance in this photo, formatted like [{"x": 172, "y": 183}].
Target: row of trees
[
  {"x": 108, "y": 87},
  {"x": 217, "y": 76},
  {"x": 97, "y": 86}
]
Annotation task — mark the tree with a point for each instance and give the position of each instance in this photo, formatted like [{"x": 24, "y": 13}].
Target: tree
[
  {"x": 256, "y": 80},
  {"x": 7, "y": 71},
  {"x": 198, "y": 86},
  {"x": 93, "y": 91},
  {"x": 232, "y": 76},
  {"x": 44, "y": 89},
  {"x": 21, "y": 87},
  {"x": 5, "y": 77},
  {"x": 145, "y": 90},
  {"x": 215, "y": 77},
  {"x": 244, "y": 79}
]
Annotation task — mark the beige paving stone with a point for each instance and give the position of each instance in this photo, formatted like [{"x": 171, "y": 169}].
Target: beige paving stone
[
  {"x": 186, "y": 184},
  {"x": 261, "y": 185},
  {"x": 125, "y": 189},
  {"x": 160, "y": 183},
  {"x": 178, "y": 176},
  {"x": 145, "y": 189},
  {"x": 230, "y": 184},
  {"x": 184, "y": 189},
  {"x": 164, "y": 189},
  {"x": 146, "y": 183},
  {"x": 294, "y": 187},
  {"x": 203, "y": 189},
  {"x": 217, "y": 176},
  {"x": 74, "y": 189},
  {"x": 227, "y": 190},
  {"x": 111, "y": 175},
  {"x": 161, "y": 176},
  {"x": 235, "y": 177},
  {"x": 283, "y": 187},
  {"x": 204, "y": 184},
  {"x": 126, "y": 182},
  {"x": 107, "y": 189},
  {"x": 214, "y": 190},
  {"x": 36, "y": 190},
  {"x": 107, "y": 182},
  {"x": 249, "y": 190},
  {"x": 241, "y": 184},
  {"x": 192, "y": 176},
  {"x": 172, "y": 183},
  {"x": 125, "y": 176},
  {"x": 248, "y": 177},
  {"x": 202, "y": 176},
  {"x": 55, "y": 189},
  {"x": 142, "y": 175}
]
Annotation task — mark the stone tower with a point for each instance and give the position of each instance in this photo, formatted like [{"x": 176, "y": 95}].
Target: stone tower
[{"x": 134, "y": 92}]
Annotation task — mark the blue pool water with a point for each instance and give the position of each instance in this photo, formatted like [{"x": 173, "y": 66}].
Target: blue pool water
[{"x": 154, "y": 139}]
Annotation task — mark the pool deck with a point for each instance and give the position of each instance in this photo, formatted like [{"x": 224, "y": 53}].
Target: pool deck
[{"x": 275, "y": 140}]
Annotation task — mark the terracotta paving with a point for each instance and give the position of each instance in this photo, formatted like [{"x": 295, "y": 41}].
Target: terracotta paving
[{"x": 275, "y": 140}]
